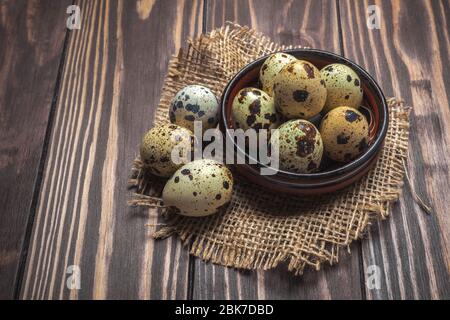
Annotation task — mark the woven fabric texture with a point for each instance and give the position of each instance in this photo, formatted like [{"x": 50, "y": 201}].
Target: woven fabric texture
[{"x": 260, "y": 229}]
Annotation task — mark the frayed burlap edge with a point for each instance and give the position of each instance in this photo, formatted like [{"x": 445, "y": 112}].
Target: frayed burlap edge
[{"x": 260, "y": 229}]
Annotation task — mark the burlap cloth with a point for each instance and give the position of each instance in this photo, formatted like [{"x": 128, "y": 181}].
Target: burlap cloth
[{"x": 260, "y": 229}]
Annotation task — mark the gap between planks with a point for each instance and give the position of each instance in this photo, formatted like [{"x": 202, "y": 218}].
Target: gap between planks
[
  {"x": 358, "y": 243},
  {"x": 191, "y": 265},
  {"x": 38, "y": 182}
]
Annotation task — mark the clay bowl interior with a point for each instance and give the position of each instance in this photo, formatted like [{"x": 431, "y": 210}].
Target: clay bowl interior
[{"x": 332, "y": 176}]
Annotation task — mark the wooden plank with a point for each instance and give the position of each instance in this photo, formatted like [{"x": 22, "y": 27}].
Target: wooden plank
[
  {"x": 409, "y": 57},
  {"x": 32, "y": 36},
  {"x": 297, "y": 23},
  {"x": 111, "y": 84}
]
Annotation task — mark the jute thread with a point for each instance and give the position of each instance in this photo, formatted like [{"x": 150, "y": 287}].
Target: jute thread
[{"x": 259, "y": 229}]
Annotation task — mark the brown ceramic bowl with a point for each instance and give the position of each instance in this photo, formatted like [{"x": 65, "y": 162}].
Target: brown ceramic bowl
[{"x": 333, "y": 176}]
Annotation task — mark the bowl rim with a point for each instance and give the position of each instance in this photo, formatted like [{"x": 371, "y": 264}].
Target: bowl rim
[{"x": 362, "y": 159}]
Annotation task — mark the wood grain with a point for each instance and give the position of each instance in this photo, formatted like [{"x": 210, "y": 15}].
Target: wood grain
[
  {"x": 31, "y": 35},
  {"x": 409, "y": 58},
  {"x": 307, "y": 23},
  {"x": 111, "y": 83}
]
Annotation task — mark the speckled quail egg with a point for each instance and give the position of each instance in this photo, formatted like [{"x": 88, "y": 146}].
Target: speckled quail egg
[
  {"x": 343, "y": 86},
  {"x": 299, "y": 90},
  {"x": 270, "y": 68},
  {"x": 199, "y": 188},
  {"x": 253, "y": 108},
  {"x": 158, "y": 144},
  {"x": 194, "y": 103},
  {"x": 300, "y": 146},
  {"x": 345, "y": 133}
]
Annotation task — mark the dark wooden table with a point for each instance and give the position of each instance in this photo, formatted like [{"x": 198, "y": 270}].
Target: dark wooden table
[{"x": 75, "y": 103}]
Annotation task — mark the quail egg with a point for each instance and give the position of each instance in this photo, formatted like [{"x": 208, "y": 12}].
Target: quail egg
[
  {"x": 158, "y": 145},
  {"x": 199, "y": 188},
  {"x": 253, "y": 108},
  {"x": 299, "y": 90},
  {"x": 345, "y": 133},
  {"x": 343, "y": 86},
  {"x": 270, "y": 68},
  {"x": 300, "y": 146},
  {"x": 194, "y": 103}
]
